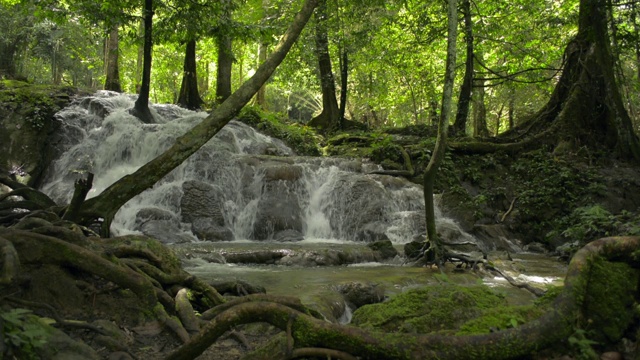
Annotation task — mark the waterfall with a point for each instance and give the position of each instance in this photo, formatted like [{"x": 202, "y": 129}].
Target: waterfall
[{"x": 240, "y": 185}]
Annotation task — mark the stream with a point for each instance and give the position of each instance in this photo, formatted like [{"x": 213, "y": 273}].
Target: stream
[{"x": 245, "y": 195}]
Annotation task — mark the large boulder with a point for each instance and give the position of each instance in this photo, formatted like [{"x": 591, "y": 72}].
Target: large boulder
[
  {"x": 278, "y": 210},
  {"x": 27, "y": 123},
  {"x": 201, "y": 200},
  {"x": 209, "y": 230},
  {"x": 162, "y": 225}
]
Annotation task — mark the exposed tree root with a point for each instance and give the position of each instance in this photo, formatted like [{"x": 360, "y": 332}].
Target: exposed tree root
[{"x": 554, "y": 326}]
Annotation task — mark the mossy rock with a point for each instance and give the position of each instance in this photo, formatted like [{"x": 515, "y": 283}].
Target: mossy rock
[
  {"x": 443, "y": 308},
  {"x": 608, "y": 317},
  {"x": 500, "y": 318},
  {"x": 26, "y": 121}
]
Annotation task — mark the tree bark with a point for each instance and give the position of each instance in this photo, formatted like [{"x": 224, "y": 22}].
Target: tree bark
[
  {"x": 329, "y": 118},
  {"x": 225, "y": 64},
  {"x": 464, "y": 99},
  {"x": 443, "y": 129},
  {"x": 141, "y": 106},
  {"x": 112, "y": 52},
  {"x": 586, "y": 105},
  {"x": 109, "y": 201},
  {"x": 261, "y": 99},
  {"x": 344, "y": 83},
  {"x": 480, "y": 128},
  {"x": 189, "y": 97}
]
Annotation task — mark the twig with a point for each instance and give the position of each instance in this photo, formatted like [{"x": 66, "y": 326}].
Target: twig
[{"x": 510, "y": 209}]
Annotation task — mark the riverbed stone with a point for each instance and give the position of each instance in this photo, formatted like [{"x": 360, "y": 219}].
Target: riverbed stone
[
  {"x": 384, "y": 248},
  {"x": 358, "y": 294},
  {"x": 208, "y": 229}
]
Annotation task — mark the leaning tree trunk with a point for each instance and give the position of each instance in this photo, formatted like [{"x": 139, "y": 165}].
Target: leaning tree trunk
[
  {"x": 464, "y": 99},
  {"x": 330, "y": 116},
  {"x": 110, "y": 200},
  {"x": 441, "y": 140},
  {"x": 141, "y": 107},
  {"x": 111, "y": 55},
  {"x": 585, "y": 107},
  {"x": 189, "y": 97}
]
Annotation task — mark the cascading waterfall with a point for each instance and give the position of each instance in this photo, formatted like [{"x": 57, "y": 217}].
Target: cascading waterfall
[{"x": 240, "y": 185}]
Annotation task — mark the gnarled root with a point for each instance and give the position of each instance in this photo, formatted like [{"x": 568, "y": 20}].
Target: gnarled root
[{"x": 306, "y": 331}]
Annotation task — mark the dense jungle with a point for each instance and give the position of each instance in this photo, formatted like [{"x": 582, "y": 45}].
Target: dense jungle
[{"x": 319, "y": 179}]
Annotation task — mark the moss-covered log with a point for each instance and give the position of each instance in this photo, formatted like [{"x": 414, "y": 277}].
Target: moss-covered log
[{"x": 555, "y": 326}]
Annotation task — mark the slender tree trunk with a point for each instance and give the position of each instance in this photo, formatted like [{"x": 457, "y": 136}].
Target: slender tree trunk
[
  {"x": 7, "y": 58},
  {"x": 141, "y": 107},
  {"x": 225, "y": 64},
  {"x": 512, "y": 108},
  {"x": 464, "y": 99},
  {"x": 189, "y": 97},
  {"x": 328, "y": 119},
  {"x": 112, "y": 52},
  {"x": 261, "y": 99},
  {"x": 443, "y": 129},
  {"x": 140, "y": 58},
  {"x": 479, "y": 111},
  {"x": 111, "y": 199},
  {"x": 344, "y": 83}
]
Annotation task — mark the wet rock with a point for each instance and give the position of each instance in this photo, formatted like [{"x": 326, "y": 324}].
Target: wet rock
[
  {"x": 278, "y": 210},
  {"x": 414, "y": 249},
  {"x": 358, "y": 294},
  {"x": 384, "y": 248},
  {"x": 285, "y": 172},
  {"x": 160, "y": 224},
  {"x": 201, "y": 200},
  {"x": 208, "y": 229},
  {"x": 237, "y": 288},
  {"x": 535, "y": 247},
  {"x": 288, "y": 236},
  {"x": 372, "y": 232},
  {"x": 495, "y": 237},
  {"x": 566, "y": 251},
  {"x": 256, "y": 257}
]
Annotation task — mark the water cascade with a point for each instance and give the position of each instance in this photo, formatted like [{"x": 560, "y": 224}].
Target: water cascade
[{"x": 240, "y": 185}]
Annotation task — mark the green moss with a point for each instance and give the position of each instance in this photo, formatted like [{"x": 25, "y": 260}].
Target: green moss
[
  {"x": 500, "y": 318},
  {"x": 430, "y": 309},
  {"x": 302, "y": 139},
  {"x": 606, "y": 317}
]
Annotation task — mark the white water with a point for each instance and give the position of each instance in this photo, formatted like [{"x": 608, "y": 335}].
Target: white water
[{"x": 336, "y": 198}]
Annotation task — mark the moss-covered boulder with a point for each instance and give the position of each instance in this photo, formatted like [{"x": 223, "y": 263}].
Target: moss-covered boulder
[
  {"x": 26, "y": 122},
  {"x": 442, "y": 308}
]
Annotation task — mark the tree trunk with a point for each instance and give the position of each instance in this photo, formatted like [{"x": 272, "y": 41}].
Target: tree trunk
[
  {"x": 112, "y": 53},
  {"x": 189, "y": 97},
  {"x": 586, "y": 105},
  {"x": 141, "y": 107},
  {"x": 109, "y": 201},
  {"x": 464, "y": 99},
  {"x": 261, "y": 99},
  {"x": 329, "y": 118},
  {"x": 480, "y": 128},
  {"x": 140, "y": 58},
  {"x": 225, "y": 64},
  {"x": 344, "y": 77},
  {"x": 443, "y": 129},
  {"x": 7, "y": 58}
]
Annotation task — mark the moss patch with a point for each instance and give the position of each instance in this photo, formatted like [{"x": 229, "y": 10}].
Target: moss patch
[
  {"x": 430, "y": 309},
  {"x": 607, "y": 317}
]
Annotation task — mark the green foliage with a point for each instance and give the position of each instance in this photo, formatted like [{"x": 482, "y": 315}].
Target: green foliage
[
  {"x": 302, "y": 139},
  {"x": 23, "y": 333},
  {"x": 588, "y": 223},
  {"x": 582, "y": 346},
  {"x": 500, "y": 318}
]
